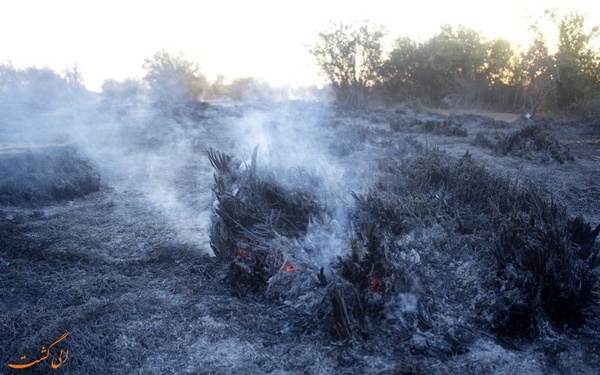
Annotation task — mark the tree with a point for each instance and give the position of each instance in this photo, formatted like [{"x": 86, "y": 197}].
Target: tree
[
  {"x": 498, "y": 62},
  {"x": 218, "y": 89},
  {"x": 401, "y": 71},
  {"x": 454, "y": 64},
  {"x": 249, "y": 89},
  {"x": 173, "y": 80},
  {"x": 457, "y": 66},
  {"x": 34, "y": 90},
  {"x": 350, "y": 56},
  {"x": 578, "y": 65},
  {"x": 537, "y": 74},
  {"x": 571, "y": 75}
]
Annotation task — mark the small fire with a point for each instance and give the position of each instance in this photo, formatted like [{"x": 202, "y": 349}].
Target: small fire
[{"x": 288, "y": 267}]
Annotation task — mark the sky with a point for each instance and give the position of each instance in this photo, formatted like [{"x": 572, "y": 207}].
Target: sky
[{"x": 265, "y": 39}]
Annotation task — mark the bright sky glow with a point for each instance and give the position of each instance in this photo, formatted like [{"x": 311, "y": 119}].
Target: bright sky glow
[{"x": 261, "y": 38}]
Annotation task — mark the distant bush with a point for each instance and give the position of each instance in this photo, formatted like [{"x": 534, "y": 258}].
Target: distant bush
[
  {"x": 121, "y": 96},
  {"x": 531, "y": 142},
  {"x": 173, "y": 80},
  {"x": 350, "y": 56},
  {"x": 28, "y": 91},
  {"x": 245, "y": 89}
]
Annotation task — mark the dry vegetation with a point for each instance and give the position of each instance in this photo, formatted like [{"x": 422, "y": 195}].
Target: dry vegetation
[{"x": 422, "y": 257}]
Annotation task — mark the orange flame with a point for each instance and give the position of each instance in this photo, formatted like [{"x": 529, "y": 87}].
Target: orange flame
[{"x": 288, "y": 267}]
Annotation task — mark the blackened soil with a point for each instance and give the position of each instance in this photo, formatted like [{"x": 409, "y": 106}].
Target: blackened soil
[{"x": 137, "y": 293}]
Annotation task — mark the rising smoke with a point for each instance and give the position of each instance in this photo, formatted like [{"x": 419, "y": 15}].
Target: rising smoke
[{"x": 158, "y": 153}]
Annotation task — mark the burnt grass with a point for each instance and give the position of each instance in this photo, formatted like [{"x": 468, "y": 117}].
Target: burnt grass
[
  {"x": 445, "y": 265},
  {"x": 30, "y": 176},
  {"x": 531, "y": 142}
]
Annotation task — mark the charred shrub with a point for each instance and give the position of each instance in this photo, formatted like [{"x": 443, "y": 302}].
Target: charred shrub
[
  {"x": 403, "y": 123},
  {"x": 546, "y": 265},
  {"x": 466, "y": 183},
  {"x": 351, "y": 139},
  {"x": 40, "y": 175},
  {"x": 450, "y": 127},
  {"x": 259, "y": 231},
  {"x": 251, "y": 210},
  {"x": 531, "y": 142},
  {"x": 546, "y": 269},
  {"x": 379, "y": 207},
  {"x": 369, "y": 288},
  {"x": 481, "y": 140},
  {"x": 592, "y": 128}
]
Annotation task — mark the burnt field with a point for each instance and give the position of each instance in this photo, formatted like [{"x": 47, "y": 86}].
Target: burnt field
[{"x": 299, "y": 238}]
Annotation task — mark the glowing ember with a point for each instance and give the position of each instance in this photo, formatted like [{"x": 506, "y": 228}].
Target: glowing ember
[
  {"x": 376, "y": 284},
  {"x": 241, "y": 253},
  {"x": 288, "y": 267}
]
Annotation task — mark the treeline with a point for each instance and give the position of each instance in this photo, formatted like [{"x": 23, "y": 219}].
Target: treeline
[
  {"x": 23, "y": 91},
  {"x": 170, "y": 81},
  {"x": 173, "y": 80},
  {"x": 459, "y": 67}
]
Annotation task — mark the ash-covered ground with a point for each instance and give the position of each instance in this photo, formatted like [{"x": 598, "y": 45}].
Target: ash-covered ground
[{"x": 487, "y": 229}]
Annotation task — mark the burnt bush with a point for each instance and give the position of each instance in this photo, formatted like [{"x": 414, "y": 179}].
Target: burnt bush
[
  {"x": 258, "y": 232},
  {"x": 546, "y": 269},
  {"x": 545, "y": 264},
  {"x": 538, "y": 268},
  {"x": 465, "y": 183},
  {"x": 450, "y": 127},
  {"x": 350, "y": 139},
  {"x": 592, "y": 128},
  {"x": 404, "y": 122},
  {"x": 34, "y": 176},
  {"x": 531, "y": 142},
  {"x": 251, "y": 210}
]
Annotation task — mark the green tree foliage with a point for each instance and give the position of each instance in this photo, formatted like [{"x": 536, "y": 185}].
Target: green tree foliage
[
  {"x": 456, "y": 66},
  {"x": 534, "y": 76},
  {"x": 402, "y": 71},
  {"x": 350, "y": 56},
  {"x": 455, "y": 61},
  {"x": 578, "y": 66},
  {"x": 173, "y": 80}
]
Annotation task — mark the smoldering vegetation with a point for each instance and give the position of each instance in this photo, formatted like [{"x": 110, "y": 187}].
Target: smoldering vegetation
[
  {"x": 340, "y": 246},
  {"x": 439, "y": 252},
  {"x": 544, "y": 264}
]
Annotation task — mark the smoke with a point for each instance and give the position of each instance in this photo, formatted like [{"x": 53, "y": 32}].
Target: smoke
[
  {"x": 294, "y": 142},
  {"x": 151, "y": 154},
  {"x": 157, "y": 154},
  {"x": 138, "y": 150}
]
